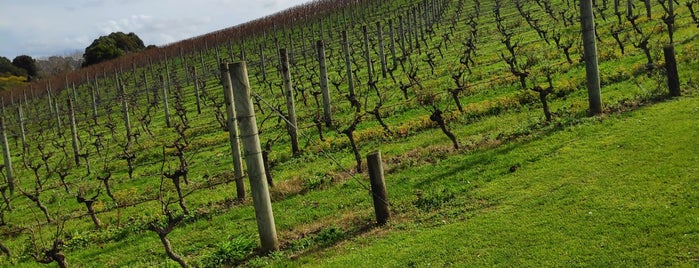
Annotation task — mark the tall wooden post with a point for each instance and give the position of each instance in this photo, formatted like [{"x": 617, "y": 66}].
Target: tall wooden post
[
  {"x": 367, "y": 55},
  {"x": 165, "y": 93},
  {"x": 378, "y": 187},
  {"x": 74, "y": 131},
  {"x": 233, "y": 131},
  {"x": 382, "y": 50},
  {"x": 124, "y": 110},
  {"x": 292, "y": 126},
  {"x": 94, "y": 105},
  {"x": 348, "y": 63},
  {"x": 9, "y": 172},
  {"x": 588, "y": 33},
  {"x": 20, "y": 116},
  {"x": 242, "y": 97},
  {"x": 195, "y": 78},
  {"x": 324, "y": 88}
]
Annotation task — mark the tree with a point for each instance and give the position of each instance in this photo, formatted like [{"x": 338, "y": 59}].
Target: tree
[
  {"x": 28, "y": 64},
  {"x": 111, "y": 46},
  {"x": 7, "y": 68}
]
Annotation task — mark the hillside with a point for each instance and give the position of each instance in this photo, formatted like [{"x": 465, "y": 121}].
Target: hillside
[{"x": 480, "y": 111}]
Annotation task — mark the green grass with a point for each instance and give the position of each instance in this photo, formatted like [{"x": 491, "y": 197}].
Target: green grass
[{"x": 621, "y": 191}]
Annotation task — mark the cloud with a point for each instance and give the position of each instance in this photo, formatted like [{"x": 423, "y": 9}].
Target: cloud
[{"x": 157, "y": 30}]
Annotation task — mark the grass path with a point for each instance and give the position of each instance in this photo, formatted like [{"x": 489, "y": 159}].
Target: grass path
[{"x": 622, "y": 191}]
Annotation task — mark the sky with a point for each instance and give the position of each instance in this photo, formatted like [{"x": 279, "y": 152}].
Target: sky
[{"x": 43, "y": 28}]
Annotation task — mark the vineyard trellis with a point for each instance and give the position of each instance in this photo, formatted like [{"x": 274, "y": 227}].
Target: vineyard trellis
[{"x": 153, "y": 144}]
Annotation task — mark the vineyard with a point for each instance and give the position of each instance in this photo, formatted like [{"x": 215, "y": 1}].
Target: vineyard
[{"x": 132, "y": 162}]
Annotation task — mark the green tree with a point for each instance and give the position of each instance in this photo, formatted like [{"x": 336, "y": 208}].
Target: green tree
[
  {"x": 6, "y": 68},
  {"x": 112, "y": 46},
  {"x": 28, "y": 64}
]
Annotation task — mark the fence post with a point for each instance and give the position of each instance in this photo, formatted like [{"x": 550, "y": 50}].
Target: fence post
[
  {"x": 588, "y": 32},
  {"x": 165, "y": 93},
  {"x": 20, "y": 116},
  {"x": 367, "y": 55},
  {"x": 324, "y": 83},
  {"x": 195, "y": 78},
  {"x": 378, "y": 187},
  {"x": 382, "y": 50},
  {"x": 673, "y": 79},
  {"x": 6, "y": 154},
  {"x": 74, "y": 131},
  {"x": 292, "y": 126},
  {"x": 125, "y": 110},
  {"x": 348, "y": 63},
  {"x": 233, "y": 131},
  {"x": 253, "y": 156}
]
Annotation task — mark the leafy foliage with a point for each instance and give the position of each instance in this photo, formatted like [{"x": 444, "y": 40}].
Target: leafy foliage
[
  {"x": 9, "y": 69},
  {"x": 112, "y": 46},
  {"x": 28, "y": 64}
]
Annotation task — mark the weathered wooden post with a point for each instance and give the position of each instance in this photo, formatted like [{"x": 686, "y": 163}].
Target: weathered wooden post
[
  {"x": 378, "y": 187},
  {"x": 165, "y": 93},
  {"x": 124, "y": 110},
  {"x": 292, "y": 126},
  {"x": 9, "y": 172},
  {"x": 74, "y": 131},
  {"x": 242, "y": 97},
  {"x": 233, "y": 132},
  {"x": 195, "y": 78},
  {"x": 673, "y": 79},
  {"x": 327, "y": 111},
  {"x": 94, "y": 105},
  {"x": 59, "y": 126},
  {"x": 367, "y": 55},
  {"x": 382, "y": 50},
  {"x": 262, "y": 62},
  {"x": 20, "y": 117},
  {"x": 588, "y": 33},
  {"x": 348, "y": 63}
]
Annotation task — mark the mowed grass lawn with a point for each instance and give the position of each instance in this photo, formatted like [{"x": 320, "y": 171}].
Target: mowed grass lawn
[{"x": 621, "y": 190}]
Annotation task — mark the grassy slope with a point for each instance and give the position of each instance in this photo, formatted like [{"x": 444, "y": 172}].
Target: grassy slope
[{"x": 620, "y": 192}]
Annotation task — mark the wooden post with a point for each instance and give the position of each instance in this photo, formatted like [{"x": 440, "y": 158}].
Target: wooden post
[
  {"x": 401, "y": 31},
  {"x": 125, "y": 110},
  {"x": 9, "y": 172},
  {"x": 233, "y": 131},
  {"x": 348, "y": 63},
  {"x": 378, "y": 188},
  {"x": 94, "y": 105},
  {"x": 367, "y": 55},
  {"x": 673, "y": 78},
  {"x": 20, "y": 116},
  {"x": 392, "y": 46},
  {"x": 327, "y": 111},
  {"x": 74, "y": 131},
  {"x": 165, "y": 93},
  {"x": 242, "y": 97},
  {"x": 59, "y": 126},
  {"x": 262, "y": 62},
  {"x": 591, "y": 68},
  {"x": 292, "y": 126},
  {"x": 196, "y": 87},
  {"x": 382, "y": 50}
]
